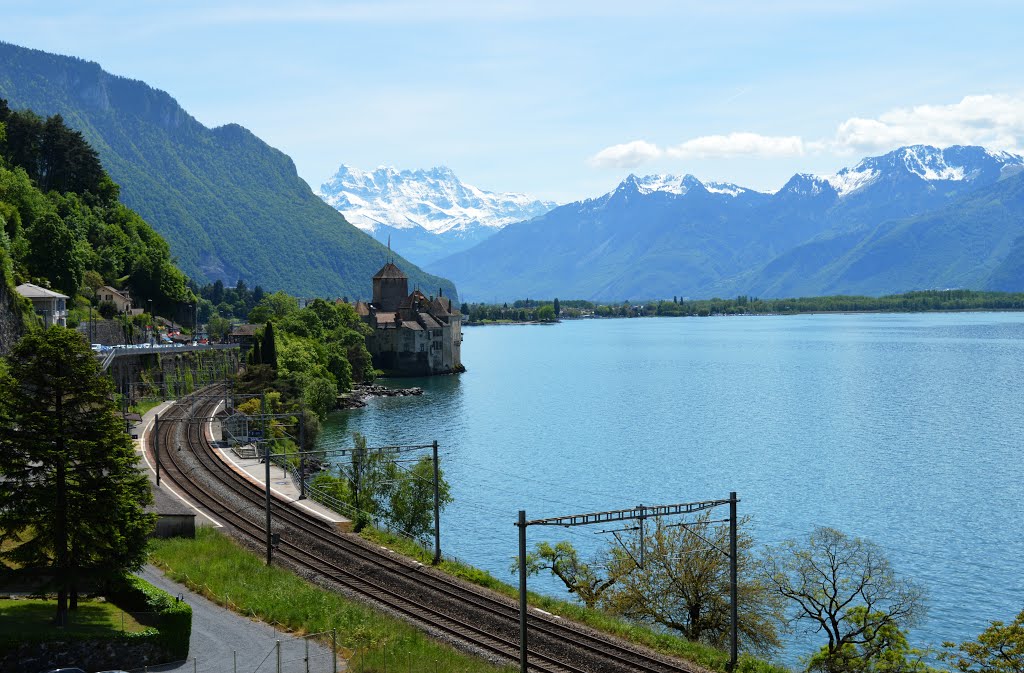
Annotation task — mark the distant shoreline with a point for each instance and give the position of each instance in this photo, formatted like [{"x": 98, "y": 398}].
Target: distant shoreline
[{"x": 505, "y": 323}]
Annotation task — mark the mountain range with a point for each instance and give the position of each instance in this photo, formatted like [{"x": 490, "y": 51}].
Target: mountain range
[
  {"x": 230, "y": 206},
  {"x": 918, "y": 217},
  {"x": 427, "y": 214}
]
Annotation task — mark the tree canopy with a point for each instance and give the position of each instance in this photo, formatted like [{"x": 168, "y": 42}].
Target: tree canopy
[
  {"x": 998, "y": 649},
  {"x": 683, "y": 584},
  {"x": 71, "y": 495},
  {"x": 62, "y": 221},
  {"x": 845, "y": 587}
]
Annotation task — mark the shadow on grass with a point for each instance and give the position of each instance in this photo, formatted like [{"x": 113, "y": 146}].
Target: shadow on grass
[{"x": 34, "y": 620}]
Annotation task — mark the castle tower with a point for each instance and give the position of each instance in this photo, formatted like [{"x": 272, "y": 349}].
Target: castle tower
[{"x": 390, "y": 287}]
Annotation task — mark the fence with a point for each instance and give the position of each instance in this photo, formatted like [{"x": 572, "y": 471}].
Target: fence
[{"x": 315, "y": 653}]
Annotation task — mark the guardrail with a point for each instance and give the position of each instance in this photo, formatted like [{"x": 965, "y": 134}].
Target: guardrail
[{"x": 108, "y": 357}]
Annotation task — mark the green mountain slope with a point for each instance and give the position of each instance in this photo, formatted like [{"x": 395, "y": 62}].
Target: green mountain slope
[
  {"x": 977, "y": 242},
  {"x": 230, "y": 206}
]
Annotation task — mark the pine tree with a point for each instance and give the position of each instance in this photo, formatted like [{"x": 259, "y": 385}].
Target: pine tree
[
  {"x": 269, "y": 347},
  {"x": 72, "y": 497}
]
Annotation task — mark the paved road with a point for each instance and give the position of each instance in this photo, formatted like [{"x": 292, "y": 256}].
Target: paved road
[{"x": 224, "y": 642}]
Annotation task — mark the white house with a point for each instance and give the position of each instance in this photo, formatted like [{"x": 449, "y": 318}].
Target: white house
[{"x": 52, "y": 306}]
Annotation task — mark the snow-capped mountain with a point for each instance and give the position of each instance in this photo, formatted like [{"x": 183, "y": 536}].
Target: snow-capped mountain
[
  {"x": 916, "y": 217},
  {"x": 927, "y": 163},
  {"x": 426, "y": 214},
  {"x": 434, "y": 199},
  {"x": 920, "y": 162},
  {"x": 671, "y": 184}
]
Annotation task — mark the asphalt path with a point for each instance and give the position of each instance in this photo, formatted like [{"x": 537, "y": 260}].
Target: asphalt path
[{"x": 225, "y": 642}]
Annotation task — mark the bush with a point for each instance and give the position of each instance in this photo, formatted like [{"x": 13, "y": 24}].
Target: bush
[
  {"x": 107, "y": 310},
  {"x": 174, "y": 617}
]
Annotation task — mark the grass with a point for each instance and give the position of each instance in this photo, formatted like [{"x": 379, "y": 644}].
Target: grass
[
  {"x": 218, "y": 568},
  {"x": 142, "y": 406},
  {"x": 699, "y": 653},
  {"x": 32, "y": 619}
]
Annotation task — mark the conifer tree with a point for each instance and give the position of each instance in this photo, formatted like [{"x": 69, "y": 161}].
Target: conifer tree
[
  {"x": 256, "y": 357},
  {"x": 72, "y": 497},
  {"x": 269, "y": 347}
]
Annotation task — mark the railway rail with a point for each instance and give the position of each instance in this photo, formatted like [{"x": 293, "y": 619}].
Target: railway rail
[{"x": 476, "y": 617}]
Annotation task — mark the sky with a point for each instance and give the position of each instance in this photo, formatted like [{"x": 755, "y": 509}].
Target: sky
[{"x": 563, "y": 99}]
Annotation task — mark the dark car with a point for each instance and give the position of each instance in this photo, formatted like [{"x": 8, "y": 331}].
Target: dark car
[{"x": 63, "y": 670}]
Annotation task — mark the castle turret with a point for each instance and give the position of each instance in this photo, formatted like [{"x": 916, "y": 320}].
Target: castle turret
[{"x": 390, "y": 287}]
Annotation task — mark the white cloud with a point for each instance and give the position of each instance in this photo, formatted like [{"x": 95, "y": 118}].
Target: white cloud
[
  {"x": 626, "y": 155},
  {"x": 736, "y": 145},
  {"x": 993, "y": 121}
]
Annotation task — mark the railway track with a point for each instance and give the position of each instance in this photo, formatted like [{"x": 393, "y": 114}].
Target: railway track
[{"x": 471, "y": 615}]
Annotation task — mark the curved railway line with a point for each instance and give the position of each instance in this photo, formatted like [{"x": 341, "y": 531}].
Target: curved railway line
[{"x": 476, "y": 617}]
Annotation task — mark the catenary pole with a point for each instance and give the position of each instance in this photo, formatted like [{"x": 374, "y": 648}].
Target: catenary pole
[
  {"x": 437, "y": 509},
  {"x": 266, "y": 459},
  {"x": 522, "y": 590},
  {"x": 734, "y": 612},
  {"x": 156, "y": 446},
  {"x": 302, "y": 451}
]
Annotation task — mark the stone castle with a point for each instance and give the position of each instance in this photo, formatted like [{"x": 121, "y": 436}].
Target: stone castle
[{"x": 413, "y": 335}]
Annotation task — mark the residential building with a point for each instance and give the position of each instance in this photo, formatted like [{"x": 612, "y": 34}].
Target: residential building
[
  {"x": 50, "y": 305},
  {"x": 119, "y": 298}
]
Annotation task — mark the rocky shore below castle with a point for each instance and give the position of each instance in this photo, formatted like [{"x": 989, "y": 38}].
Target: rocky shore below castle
[{"x": 362, "y": 392}]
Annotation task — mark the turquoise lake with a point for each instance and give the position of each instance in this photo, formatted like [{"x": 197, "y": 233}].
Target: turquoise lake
[{"x": 905, "y": 429}]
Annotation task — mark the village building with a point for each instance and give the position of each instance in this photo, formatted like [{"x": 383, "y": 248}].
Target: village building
[
  {"x": 121, "y": 300},
  {"x": 413, "y": 335},
  {"x": 51, "y": 306},
  {"x": 244, "y": 334}
]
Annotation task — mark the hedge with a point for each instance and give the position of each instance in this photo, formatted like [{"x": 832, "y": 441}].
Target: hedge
[{"x": 173, "y": 627}]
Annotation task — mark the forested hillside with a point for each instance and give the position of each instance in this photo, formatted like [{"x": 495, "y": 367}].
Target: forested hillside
[
  {"x": 62, "y": 225},
  {"x": 230, "y": 206}
]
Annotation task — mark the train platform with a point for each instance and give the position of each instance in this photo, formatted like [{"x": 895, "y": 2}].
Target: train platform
[{"x": 281, "y": 483}]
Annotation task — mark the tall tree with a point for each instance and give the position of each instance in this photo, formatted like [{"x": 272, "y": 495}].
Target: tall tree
[
  {"x": 369, "y": 477},
  {"x": 846, "y": 588},
  {"x": 269, "y": 345},
  {"x": 683, "y": 584},
  {"x": 72, "y": 497},
  {"x": 412, "y": 498}
]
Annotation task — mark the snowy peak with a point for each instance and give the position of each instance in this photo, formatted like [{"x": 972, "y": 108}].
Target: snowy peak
[
  {"x": 433, "y": 199},
  {"x": 924, "y": 162},
  {"x": 671, "y": 184},
  {"x": 805, "y": 184}
]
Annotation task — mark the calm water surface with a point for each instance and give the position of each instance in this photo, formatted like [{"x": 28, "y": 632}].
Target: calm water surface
[{"x": 905, "y": 429}]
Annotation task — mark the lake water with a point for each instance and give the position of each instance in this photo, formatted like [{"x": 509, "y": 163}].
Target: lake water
[{"x": 905, "y": 429}]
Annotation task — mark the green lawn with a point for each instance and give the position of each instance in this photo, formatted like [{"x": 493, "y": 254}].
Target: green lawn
[
  {"x": 216, "y": 567},
  {"x": 32, "y": 619},
  {"x": 142, "y": 406}
]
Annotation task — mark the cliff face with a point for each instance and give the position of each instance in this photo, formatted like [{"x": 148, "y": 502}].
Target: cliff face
[{"x": 12, "y": 326}]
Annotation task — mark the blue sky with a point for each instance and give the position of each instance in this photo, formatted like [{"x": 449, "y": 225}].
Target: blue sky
[{"x": 563, "y": 99}]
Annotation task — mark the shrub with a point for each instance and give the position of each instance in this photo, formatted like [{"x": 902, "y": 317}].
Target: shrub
[{"x": 174, "y": 617}]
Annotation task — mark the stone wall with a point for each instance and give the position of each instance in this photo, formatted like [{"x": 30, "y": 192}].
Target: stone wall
[
  {"x": 89, "y": 655},
  {"x": 11, "y": 325}
]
